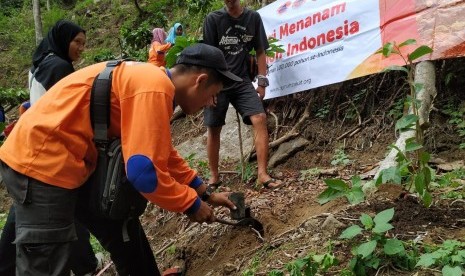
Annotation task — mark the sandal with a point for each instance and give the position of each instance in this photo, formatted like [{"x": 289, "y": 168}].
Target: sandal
[
  {"x": 174, "y": 271},
  {"x": 267, "y": 183}
]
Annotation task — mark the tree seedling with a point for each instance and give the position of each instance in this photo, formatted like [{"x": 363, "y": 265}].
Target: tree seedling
[{"x": 377, "y": 248}]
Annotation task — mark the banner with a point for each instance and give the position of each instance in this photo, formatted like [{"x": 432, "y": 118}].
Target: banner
[{"x": 327, "y": 41}]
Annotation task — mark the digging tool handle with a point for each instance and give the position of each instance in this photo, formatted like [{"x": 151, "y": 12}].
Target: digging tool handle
[{"x": 222, "y": 221}]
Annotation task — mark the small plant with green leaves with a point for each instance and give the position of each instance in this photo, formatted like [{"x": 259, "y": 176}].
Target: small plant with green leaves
[
  {"x": 323, "y": 111},
  {"x": 171, "y": 250},
  {"x": 255, "y": 263},
  {"x": 352, "y": 112},
  {"x": 135, "y": 38},
  {"x": 377, "y": 248},
  {"x": 180, "y": 43},
  {"x": 248, "y": 173},
  {"x": 451, "y": 182},
  {"x": 413, "y": 163},
  {"x": 103, "y": 55},
  {"x": 457, "y": 116},
  {"x": 340, "y": 157},
  {"x": 450, "y": 257},
  {"x": 397, "y": 109},
  {"x": 200, "y": 165},
  {"x": 308, "y": 266},
  {"x": 274, "y": 47},
  {"x": 309, "y": 174},
  {"x": 338, "y": 188},
  {"x": 13, "y": 96}
]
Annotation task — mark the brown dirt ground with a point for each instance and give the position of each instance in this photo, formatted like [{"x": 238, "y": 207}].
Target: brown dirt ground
[{"x": 294, "y": 222}]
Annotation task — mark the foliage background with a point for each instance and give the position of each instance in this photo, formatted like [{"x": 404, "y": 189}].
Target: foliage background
[{"x": 114, "y": 28}]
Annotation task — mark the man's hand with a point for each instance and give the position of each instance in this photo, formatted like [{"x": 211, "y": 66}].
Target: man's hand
[
  {"x": 204, "y": 214},
  {"x": 221, "y": 199},
  {"x": 260, "y": 91}
]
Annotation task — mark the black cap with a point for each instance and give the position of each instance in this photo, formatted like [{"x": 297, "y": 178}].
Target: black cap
[{"x": 205, "y": 55}]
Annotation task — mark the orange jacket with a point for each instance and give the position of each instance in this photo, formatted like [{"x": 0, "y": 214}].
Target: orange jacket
[
  {"x": 158, "y": 52},
  {"x": 52, "y": 142}
]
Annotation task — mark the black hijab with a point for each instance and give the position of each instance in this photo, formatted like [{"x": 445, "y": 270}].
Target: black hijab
[{"x": 57, "y": 41}]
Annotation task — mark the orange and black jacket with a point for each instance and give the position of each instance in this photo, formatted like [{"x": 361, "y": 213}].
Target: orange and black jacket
[{"x": 53, "y": 141}]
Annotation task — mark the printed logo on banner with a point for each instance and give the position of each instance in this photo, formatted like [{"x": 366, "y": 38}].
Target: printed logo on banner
[
  {"x": 283, "y": 8},
  {"x": 298, "y": 3}
]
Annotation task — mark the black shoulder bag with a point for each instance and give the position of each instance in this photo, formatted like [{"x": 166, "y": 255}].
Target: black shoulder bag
[{"x": 110, "y": 195}]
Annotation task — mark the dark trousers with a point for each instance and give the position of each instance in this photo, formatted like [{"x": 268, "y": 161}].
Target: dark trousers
[
  {"x": 126, "y": 242},
  {"x": 45, "y": 230},
  {"x": 83, "y": 260},
  {"x": 7, "y": 248}
]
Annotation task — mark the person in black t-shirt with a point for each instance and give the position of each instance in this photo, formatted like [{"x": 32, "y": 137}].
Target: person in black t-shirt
[{"x": 237, "y": 30}]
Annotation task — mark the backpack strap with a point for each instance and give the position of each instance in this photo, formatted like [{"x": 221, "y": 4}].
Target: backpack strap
[{"x": 100, "y": 102}]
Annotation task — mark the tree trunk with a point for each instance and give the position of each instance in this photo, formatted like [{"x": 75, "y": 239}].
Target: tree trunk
[
  {"x": 139, "y": 9},
  {"x": 48, "y": 5},
  {"x": 37, "y": 20},
  {"x": 264, "y": 3},
  {"x": 425, "y": 75}
]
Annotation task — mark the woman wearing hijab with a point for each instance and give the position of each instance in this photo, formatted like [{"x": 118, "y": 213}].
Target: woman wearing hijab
[
  {"x": 174, "y": 32},
  {"x": 158, "y": 48},
  {"x": 53, "y": 58},
  {"x": 52, "y": 61}
]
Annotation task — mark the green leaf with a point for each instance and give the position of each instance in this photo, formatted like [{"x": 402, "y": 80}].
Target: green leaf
[
  {"x": 328, "y": 195},
  {"x": 366, "y": 249},
  {"x": 367, "y": 221},
  {"x": 311, "y": 269},
  {"x": 408, "y": 42},
  {"x": 351, "y": 232},
  {"x": 373, "y": 262},
  {"x": 394, "y": 247},
  {"x": 384, "y": 216},
  {"x": 419, "y": 52},
  {"x": 356, "y": 264},
  {"x": 457, "y": 259},
  {"x": 328, "y": 261},
  {"x": 400, "y": 155},
  {"x": 448, "y": 78},
  {"x": 276, "y": 272},
  {"x": 427, "y": 172},
  {"x": 337, "y": 184},
  {"x": 391, "y": 174},
  {"x": 395, "y": 68},
  {"x": 418, "y": 87},
  {"x": 412, "y": 146},
  {"x": 406, "y": 121},
  {"x": 356, "y": 181},
  {"x": 382, "y": 228},
  {"x": 387, "y": 49},
  {"x": 426, "y": 260},
  {"x": 427, "y": 199},
  {"x": 355, "y": 196},
  {"x": 451, "y": 271},
  {"x": 425, "y": 157},
  {"x": 420, "y": 183}
]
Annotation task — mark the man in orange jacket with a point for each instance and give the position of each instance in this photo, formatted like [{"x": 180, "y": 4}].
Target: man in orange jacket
[{"x": 50, "y": 154}]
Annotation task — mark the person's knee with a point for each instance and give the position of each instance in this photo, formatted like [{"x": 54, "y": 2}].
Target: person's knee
[{"x": 258, "y": 119}]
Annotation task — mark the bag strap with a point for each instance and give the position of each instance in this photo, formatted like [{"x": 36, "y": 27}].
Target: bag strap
[
  {"x": 37, "y": 69},
  {"x": 100, "y": 102}
]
